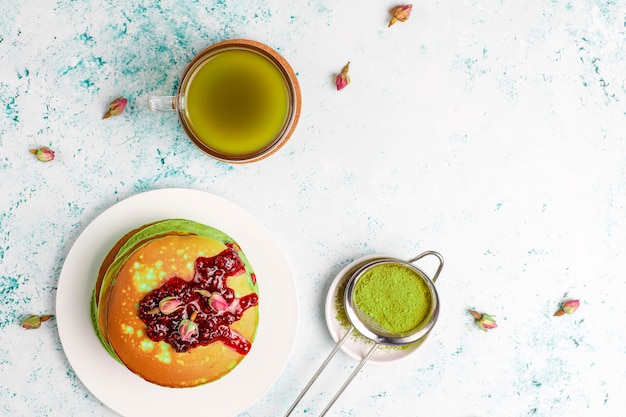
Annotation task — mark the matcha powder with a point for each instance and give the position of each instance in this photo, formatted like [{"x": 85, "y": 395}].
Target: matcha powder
[{"x": 395, "y": 296}]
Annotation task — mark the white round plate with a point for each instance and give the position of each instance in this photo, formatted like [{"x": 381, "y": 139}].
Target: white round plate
[
  {"x": 123, "y": 391},
  {"x": 357, "y": 346}
]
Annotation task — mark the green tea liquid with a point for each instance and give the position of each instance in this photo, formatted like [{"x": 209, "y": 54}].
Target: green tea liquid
[{"x": 237, "y": 102}]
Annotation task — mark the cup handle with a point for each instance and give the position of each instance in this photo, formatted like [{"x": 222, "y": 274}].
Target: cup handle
[
  {"x": 435, "y": 254},
  {"x": 161, "y": 103}
]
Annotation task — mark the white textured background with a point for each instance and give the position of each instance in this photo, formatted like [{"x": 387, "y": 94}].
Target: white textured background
[{"x": 492, "y": 132}]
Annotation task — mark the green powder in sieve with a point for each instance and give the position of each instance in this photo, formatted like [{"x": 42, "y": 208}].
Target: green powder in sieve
[{"x": 395, "y": 296}]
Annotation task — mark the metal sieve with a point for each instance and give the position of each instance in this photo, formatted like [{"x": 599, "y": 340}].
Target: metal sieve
[{"x": 373, "y": 330}]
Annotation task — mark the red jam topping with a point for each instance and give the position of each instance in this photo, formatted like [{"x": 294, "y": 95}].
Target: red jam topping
[{"x": 211, "y": 324}]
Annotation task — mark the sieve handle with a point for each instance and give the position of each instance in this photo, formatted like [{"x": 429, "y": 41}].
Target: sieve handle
[
  {"x": 350, "y": 378},
  {"x": 432, "y": 253},
  {"x": 319, "y": 371}
]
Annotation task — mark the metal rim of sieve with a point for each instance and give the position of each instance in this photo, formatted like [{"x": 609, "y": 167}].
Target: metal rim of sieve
[{"x": 369, "y": 327}]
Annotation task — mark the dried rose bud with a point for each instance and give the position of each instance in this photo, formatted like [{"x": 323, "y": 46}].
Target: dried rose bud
[
  {"x": 342, "y": 79},
  {"x": 400, "y": 14},
  {"x": 34, "y": 322},
  {"x": 168, "y": 305},
  {"x": 483, "y": 320},
  {"x": 44, "y": 154},
  {"x": 187, "y": 329},
  {"x": 116, "y": 107},
  {"x": 218, "y": 302},
  {"x": 568, "y": 307}
]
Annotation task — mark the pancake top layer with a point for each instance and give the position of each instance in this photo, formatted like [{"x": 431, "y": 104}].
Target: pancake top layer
[{"x": 169, "y": 287}]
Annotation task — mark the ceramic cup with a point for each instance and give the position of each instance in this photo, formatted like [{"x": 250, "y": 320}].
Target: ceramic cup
[{"x": 238, "y": 101}]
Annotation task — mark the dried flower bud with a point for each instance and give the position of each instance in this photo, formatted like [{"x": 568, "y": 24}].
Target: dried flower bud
[
  {"x": 568, "y": 307},
  {"x": 116, "y": 107},
  {"x": 400, "y": 14},
  {"x": 168, "y": 305},
  {"x": 483, "y": 320},
  {"x": 218, "y": 302},
  {"x": 342, "y": 79},
  {"x": 44, "y": 154},
  {"x": 187, "y": 329},
  {"x": 34, "y": 322},
  {"x": 31, "y": 322}
]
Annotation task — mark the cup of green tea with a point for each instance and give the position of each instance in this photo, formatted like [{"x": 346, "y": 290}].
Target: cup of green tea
[{"x": 238, "y": 101}]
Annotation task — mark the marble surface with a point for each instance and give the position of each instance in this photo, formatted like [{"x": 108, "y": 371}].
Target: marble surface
[{"x": 492, "y": 132}]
